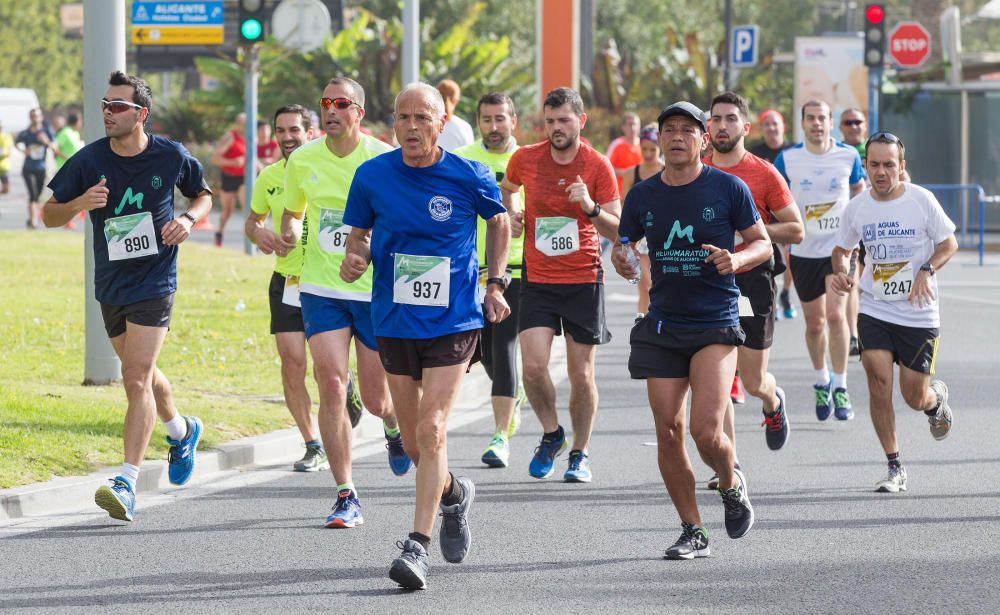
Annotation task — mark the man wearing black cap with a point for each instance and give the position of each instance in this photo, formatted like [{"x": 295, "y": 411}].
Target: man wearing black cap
[{"x": 689, "y": 337}]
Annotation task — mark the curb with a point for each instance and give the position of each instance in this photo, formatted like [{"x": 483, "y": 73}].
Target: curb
[{"x": 74, "y": 493}]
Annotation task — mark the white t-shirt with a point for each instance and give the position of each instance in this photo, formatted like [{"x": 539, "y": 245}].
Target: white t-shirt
[
  {"x": 899, "y": 236},
  {"x": 457, "y": 133},
  {"x": 821, "y": 185}
]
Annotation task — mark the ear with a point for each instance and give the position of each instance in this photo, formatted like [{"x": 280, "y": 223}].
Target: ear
[{"x": 583, "y": 120}]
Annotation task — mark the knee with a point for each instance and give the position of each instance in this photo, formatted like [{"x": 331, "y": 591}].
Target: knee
[
  {"x": 915, "y": 396},
  {"x": 670, "y": 437},
  {"x": 582, "y": 377},
  {"x": 815, "y": 325},
  {"x": 880, "y": 387},
  {"x": 137, "y": 379},
  {"x": 293, "y": 369},
  {"x": 377, "y": 404},
  {"x": 332, "y": 384},
  {"x": 753, "y": 383},
  {"x": 431, "y": 435},
  {"x": 534, "y": 375},
  {"x": 835, "y": 318},
  {"x": 706, "y": 438}
]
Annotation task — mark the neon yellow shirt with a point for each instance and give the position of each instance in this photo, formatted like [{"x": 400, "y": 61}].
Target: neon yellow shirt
[
  {"x": 317, "y": 182},
  {"x": 6, "y": 145},
  {"x": 269, "y": 198},
  {"x": 69, "y": 142},
  {"x": 498, "y": 164}
]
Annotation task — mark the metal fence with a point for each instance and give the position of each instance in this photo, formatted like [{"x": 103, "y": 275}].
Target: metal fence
[{"x": 965, "y": 204}]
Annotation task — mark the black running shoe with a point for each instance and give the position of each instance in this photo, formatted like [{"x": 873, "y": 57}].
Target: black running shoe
[
  {"x": 692, "y": 543},
  {"x": 855, "y": 349},
  {"x": 739, "y": 512},
  {"x": 777, "y": 424},
  {"x": 410, "y": 568}
]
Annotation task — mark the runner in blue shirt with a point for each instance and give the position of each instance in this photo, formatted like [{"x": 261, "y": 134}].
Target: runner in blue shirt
[
  {"x": 414, "y": 214},
  {"x": 126, "y": 182},
  {"x": 689, "y": 215}
]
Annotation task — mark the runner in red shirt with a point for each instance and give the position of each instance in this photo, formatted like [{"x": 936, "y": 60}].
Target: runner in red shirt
[
  {"x": 729, "y": 125},
  {"x": 571, "y": 198},
  {"x": 230, "y": 155},
  {"x": 625, "y": 152}
]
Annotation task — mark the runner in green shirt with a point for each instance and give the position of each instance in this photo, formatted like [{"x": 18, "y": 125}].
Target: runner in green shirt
[
  {"x": 293, "y": 128},
  {"x": 497, "y": 120},
  {"x": 317, "y": 178},
  {"x": 68, "y": 139}
]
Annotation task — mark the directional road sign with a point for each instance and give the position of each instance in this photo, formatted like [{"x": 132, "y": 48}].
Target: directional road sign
[{"x": 177, "y": 23}]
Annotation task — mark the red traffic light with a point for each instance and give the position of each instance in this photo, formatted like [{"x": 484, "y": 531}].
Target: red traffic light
[{"x": 874, "y": 13}]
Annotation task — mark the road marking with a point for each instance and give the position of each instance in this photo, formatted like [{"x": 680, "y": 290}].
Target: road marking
[{"x": 972, "y": 299}]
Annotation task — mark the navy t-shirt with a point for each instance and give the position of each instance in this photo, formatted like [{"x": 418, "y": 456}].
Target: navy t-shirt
[
  {"x": 34, "y": 159},
  {"x": 137, "y": 267},
  {"x": 423, "y": 246},
  {"x": 687, "y": 292}
]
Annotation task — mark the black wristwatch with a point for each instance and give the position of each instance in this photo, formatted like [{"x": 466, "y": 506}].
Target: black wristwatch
[
  {"x": 596, "y": 212},
  {"x": 501, "y": 282},
  {"x": 929, "y": 268},
  {"x": 190, "y": 216}
]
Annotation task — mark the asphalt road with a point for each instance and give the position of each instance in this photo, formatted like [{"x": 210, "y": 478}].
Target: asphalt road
[{"x": 823, "y": 542}]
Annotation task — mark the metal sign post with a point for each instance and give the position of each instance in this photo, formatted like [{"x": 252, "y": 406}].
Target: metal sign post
[{"x": 251, "y": 61}]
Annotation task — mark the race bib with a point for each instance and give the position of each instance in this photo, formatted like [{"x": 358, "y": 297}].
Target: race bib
[
  {"x": 484, "y": 274},
  {"x": 557, "y": 236},
  {"x": 421, "y": 280},
  {"x": 290, "y": 296},
  {"x": 821, "y": 220},
  {"x": 892, "y": 281},
  {"x": 130, "y": 236},
  {"x": 332, "y": 231},
  {"x": 36, "y": 151},
  {"x": 746, "y": 310}
]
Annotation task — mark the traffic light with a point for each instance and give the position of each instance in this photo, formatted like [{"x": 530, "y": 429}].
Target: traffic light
[
  {"x": 875, "y": 35},
  {"x": 251, "y": 21}
]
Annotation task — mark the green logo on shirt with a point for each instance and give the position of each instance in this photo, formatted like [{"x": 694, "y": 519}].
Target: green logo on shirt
[
  {"x": 157, "y": 182},
  {"x": 131, "y": 199},
  {"x": 677, "y": 230}
]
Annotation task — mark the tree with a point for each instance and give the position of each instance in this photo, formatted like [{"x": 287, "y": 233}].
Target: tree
[{"x": 36, "y": 55}]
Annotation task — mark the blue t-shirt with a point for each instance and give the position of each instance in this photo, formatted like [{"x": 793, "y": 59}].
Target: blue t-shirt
[
  {"x": 138, "y": 267},
  {"x": 423, "y": 246},
  {"x": 34, "y": 158},
  {"x": 687, "y": 292}
]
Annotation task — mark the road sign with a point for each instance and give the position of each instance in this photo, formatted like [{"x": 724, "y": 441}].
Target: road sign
[
  {"x": 743, "y": 46},
  {"x": 178, "y": 23},
  {"x": 909, "y": 44},
  {"x": 302, "y": 25}
]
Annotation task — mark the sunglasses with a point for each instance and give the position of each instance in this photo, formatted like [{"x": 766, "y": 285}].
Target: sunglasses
[
  {"x": 337, "y": 103},
  {"x": 118, "y": 106},
  {"x": 853, "y": 122},
  {"x": 883, "y": 137}
]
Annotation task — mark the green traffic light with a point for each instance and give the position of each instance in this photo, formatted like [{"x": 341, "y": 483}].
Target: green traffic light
[{"x": 251, "y": 29}]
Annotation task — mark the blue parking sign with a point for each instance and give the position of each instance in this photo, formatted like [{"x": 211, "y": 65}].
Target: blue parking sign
[{"x": 743, "y": 45}]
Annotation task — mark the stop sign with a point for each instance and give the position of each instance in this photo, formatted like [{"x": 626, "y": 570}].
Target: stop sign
[{"x": 909, "y": 44}]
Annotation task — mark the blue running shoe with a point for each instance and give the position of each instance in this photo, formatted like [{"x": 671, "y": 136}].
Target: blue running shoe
[
  {"x": 790, "y": 312},
  {"x": 824, "y": 401},
  {"x": 842, "y": 405},
  {"x": 346, "y": 512},
  {"x": 118, "y": 498},
  {"x": 181, "y": 455},
  {"x": 399, "y": 461},
  {"x": 543, "y": 463},
  {"x": 579, "y": 468}
]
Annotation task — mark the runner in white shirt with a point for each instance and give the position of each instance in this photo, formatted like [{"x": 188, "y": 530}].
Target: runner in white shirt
[
  {"x": 907, "y": 237},
  {"x": 823, "y": 174}
]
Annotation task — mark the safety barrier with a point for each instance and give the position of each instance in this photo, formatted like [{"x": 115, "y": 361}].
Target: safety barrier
[{"x": 965, "y": 204}]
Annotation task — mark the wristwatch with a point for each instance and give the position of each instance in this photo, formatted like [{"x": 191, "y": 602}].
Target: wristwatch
[
  {"x": 501, "y": 282},
  {"x": 929, "y": 268},
  {"x": 190, "y": 216},
  {"x": 596, "y": 212}
]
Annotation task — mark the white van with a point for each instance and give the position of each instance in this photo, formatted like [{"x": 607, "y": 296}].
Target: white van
[{"x": 15, "y": 104}]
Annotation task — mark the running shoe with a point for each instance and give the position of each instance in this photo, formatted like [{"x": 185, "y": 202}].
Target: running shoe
[
  {"x": 579, "y": 468},
  {"x": 787, "y": 309},
  {"x": 117, "y": 497},
  {"x": 842, "y": 405},
  {"x": 218, "y": 240},
  {"x": 777, "y": 430},
  {"x": 399, "y": 461},
  {"x": 736, "y": 393},
  {"x": 497, "y": 454},
  {"x": 940, "y": 423},
  {"x": 313, "y": 461},
  {"x": 824, "y": 401},
  {"x": 739, "y": 512},
  {"x": 346, "y": 512},
  {"x": 515, "y": 419},
  {"x": 692, "y": 543},
  {"x": 855, "y": 348},
  {"x": 456, "y": 538},
  {"x": 713, "y": 483},
  {"x": 410, "y": 568},
  {"x": 182, "y": 452},
  {"x": 894, "y": 482},
  {"x": 543, "y": 462},
  {"x": 354, "y": 406}
]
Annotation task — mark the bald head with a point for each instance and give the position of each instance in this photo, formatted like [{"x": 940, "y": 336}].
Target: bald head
[{"x": 425, "y": 92}]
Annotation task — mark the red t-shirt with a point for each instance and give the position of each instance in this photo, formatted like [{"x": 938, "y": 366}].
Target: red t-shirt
[
  {"x": 623, "y": 156},
  {"x": 769, "y": 190},
  {"x": 237, "y": 149},
  {"x": 266, "y": 150},
  {"x": 561, "y": 244}
]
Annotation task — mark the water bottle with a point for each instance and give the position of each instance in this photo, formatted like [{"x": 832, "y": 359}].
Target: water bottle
[{"x": 632, "y": 259}]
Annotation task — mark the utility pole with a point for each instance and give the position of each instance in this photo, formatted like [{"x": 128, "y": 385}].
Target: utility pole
[
  {"x": 728, "y": 20},
  {"x": 251, "y": 63},
  {"x": 103, "y": 53},
  {"x": 411, "y": 41}
]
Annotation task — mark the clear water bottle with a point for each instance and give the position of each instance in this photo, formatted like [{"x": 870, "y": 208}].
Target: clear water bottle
[{"x": 632, "y": 259}]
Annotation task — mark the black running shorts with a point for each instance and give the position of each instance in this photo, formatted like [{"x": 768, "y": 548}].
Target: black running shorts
[
  {"x": 409, "y": 357},
  {"x": 150, "y": 313},
  {"x": 284, "y": 318},
  {"x": 662, "y": 352},
  {"x": 809, "y": 275},
  {"x": 912, "y": 347},
  {"x": 577, "y": 308},
  {"x": 758, "y": 286}
]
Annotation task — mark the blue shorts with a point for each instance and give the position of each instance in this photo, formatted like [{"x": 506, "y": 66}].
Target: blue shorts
[{"x": 320, "y": 314}]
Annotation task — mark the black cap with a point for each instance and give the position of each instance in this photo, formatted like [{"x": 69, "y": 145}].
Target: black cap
[{"x": 687, "y": 110}]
